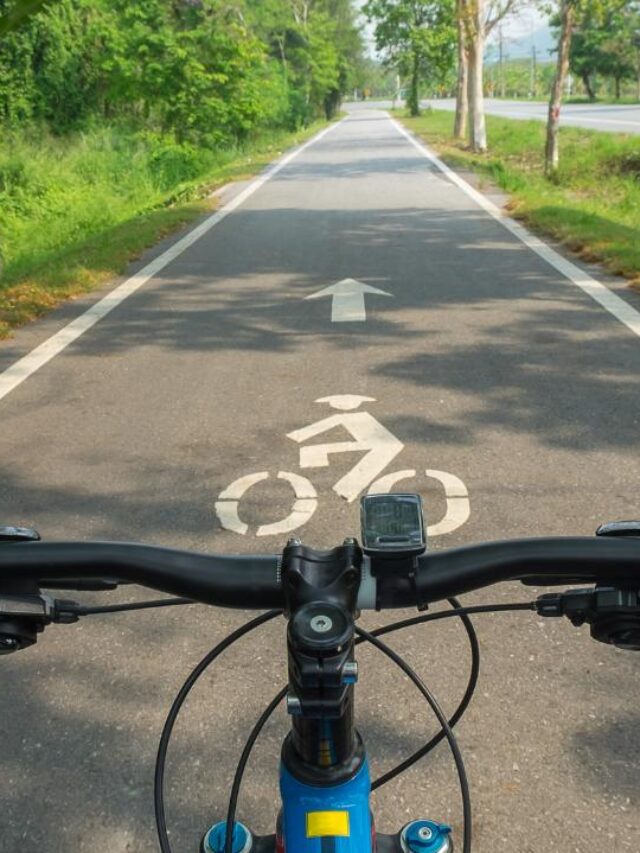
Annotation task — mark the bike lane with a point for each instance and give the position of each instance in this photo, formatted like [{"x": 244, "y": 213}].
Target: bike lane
[{"x": 481, "y": 364}]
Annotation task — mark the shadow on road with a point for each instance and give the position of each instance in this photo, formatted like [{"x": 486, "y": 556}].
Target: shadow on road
[
  {"x": 496, "y": 338},
  {"x": 608, "y": 754}
]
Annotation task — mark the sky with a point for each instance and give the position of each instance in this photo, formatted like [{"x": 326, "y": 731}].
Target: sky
[{"x": 520, "y": 33}]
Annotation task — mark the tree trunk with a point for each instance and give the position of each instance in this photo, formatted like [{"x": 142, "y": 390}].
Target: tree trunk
[
  {"x": 477, "y": 127},
  {"x": 414, "y": 89},
  {"x": 591, "y": 92},
  {"x": 332, "y": 103},
  {"x": 617, "y": 88},
  {"x": 462, "y": 95},
  {"x": 283, "y": 58},
  {"x": 552, "y": 151}
]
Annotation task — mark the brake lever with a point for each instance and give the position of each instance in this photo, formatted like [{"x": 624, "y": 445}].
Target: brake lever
[
  {"x": 23, "y": 617},
  {"x": 613, "y": 614}
]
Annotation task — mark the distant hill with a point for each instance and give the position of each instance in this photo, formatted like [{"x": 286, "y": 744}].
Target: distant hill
[{"x": 519, "y": 39}]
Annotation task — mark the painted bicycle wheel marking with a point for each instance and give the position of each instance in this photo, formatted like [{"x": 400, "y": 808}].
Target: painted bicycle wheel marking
[
  {"x": 379, "y": 446},
  {"x": 306, "y": 503}
]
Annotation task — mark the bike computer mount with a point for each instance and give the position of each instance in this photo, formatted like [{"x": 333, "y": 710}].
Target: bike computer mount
[{"x": 393, "y": 532}]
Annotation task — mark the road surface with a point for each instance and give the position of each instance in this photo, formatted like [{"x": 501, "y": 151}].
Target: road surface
[
  {"x": 616, "y": 118},
  {"x": 482, "y": 361}
]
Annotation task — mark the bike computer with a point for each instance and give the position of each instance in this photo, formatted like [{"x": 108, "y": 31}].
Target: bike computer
[{"x": 392, "y": 525}]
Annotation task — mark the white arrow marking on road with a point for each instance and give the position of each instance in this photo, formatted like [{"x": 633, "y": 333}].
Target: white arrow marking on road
[{"x": 347, "y": 299}]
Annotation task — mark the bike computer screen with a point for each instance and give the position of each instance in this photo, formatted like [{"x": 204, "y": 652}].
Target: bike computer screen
[{"x": 392, "y": 524}]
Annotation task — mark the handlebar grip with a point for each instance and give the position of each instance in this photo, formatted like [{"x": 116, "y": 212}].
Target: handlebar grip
[
  {"x": 243, "y": 582},
  {"x": 545, "y": 561}
]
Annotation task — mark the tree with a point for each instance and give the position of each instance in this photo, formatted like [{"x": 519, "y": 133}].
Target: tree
[
  {"x": 552, "y": 152},
  {"x": 417, "y": 37},
  {"x": 462, "y": 80},
  {"x": 319, "y": 49},
  {"x": 12, "y": 15},
  {"x": 477, "y": 20},
  {"x": 602, "y": 44},
  {"x": 208, "y": 72}
]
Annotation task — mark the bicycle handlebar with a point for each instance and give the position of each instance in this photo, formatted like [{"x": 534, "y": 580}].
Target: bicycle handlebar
[
  {"x": 247, "y": 582},
  {"x": 539, "y": 562},
  {"x": 253, "y": 582}
]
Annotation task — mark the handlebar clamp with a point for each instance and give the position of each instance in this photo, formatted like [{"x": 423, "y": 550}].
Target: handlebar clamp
[{"x": 311, "y": 575}]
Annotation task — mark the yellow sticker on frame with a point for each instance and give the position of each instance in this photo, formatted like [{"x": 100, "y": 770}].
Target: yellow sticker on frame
[{"x": 322, "y": 824}]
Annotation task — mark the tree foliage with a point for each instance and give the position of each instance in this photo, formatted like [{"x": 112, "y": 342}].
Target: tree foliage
[
  {"x": 418, "y": 37},
  {"x": 605, "y": 43},
  {"x": 211, "y": 70}
]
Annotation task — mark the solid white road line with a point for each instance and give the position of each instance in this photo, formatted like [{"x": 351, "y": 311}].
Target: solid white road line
[
  {"x": 620, "y": 309},
  {"x": 27, "y": 366}
]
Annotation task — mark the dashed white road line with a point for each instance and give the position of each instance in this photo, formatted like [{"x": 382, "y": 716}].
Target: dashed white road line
[
  {"x": 21, "y": 370},
  {"x": 611, "y": 302}
]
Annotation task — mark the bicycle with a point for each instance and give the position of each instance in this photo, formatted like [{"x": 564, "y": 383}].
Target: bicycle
[{"x": 324, "y": 775}]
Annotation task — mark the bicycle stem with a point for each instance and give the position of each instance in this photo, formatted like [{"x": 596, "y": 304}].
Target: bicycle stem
[{"x": 321, "y": 595}]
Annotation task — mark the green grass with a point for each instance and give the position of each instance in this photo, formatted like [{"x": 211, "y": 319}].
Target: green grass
[
  {"x": 593, "y": 207},
  {"x": 75, "y": 211}
]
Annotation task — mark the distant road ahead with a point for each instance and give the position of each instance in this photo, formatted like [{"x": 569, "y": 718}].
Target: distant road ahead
[
  {"x": 611, "y": 117},
  {"x": 614, "y": 118}
]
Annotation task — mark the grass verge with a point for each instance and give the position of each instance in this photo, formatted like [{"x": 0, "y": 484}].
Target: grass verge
[
  {"x": 593, "y": 208},
  {"x": 75, "y": 212}
]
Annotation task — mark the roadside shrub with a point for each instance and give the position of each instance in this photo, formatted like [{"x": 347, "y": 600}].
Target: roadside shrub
[
  {"x": 628, "y": 164},
  {"x": 171, "y": 163}
]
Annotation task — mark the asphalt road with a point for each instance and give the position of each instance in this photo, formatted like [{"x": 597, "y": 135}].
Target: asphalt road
[
  {"x": 484, "y": 362},
  {"x": 616, "y": 118}
]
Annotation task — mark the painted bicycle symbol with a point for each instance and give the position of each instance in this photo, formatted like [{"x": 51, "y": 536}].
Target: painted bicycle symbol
[{"x": 380, "y": 448}]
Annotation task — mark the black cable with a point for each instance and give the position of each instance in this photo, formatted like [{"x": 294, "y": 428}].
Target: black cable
[
  {"x": 459, "y": 712},
  {"x": 448, "y": 732},
  {"x": 158, "y": 792},
  {"x": 213, "y": 654},
  {"x": 244, "y": 758},
  {"x": 446, "y": 614},
  {"x": 463, "y": 612},
  {"x": 81, "y": 610},
  {"x": 385, "y": 629}
]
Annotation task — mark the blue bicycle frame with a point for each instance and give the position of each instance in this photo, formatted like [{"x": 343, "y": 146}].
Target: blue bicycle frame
[{"x": 329, "y": 819}]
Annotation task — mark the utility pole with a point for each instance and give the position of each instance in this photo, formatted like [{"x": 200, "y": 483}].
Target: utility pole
[
  {"x": 534, "y": 71},
  {"x": 636, "y": 44},
  {"x": 502, "y": 86}
]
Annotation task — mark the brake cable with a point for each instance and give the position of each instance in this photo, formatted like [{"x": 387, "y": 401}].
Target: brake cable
[
  {"x": 444, "y": 723},
  {"x": 167, "y": 729},
  {"x": 82, "y": 610},
  {"x": 463, "y": 613},
  {"x": 254, "y": 623},
  {"x": 460, "y": 710}
]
